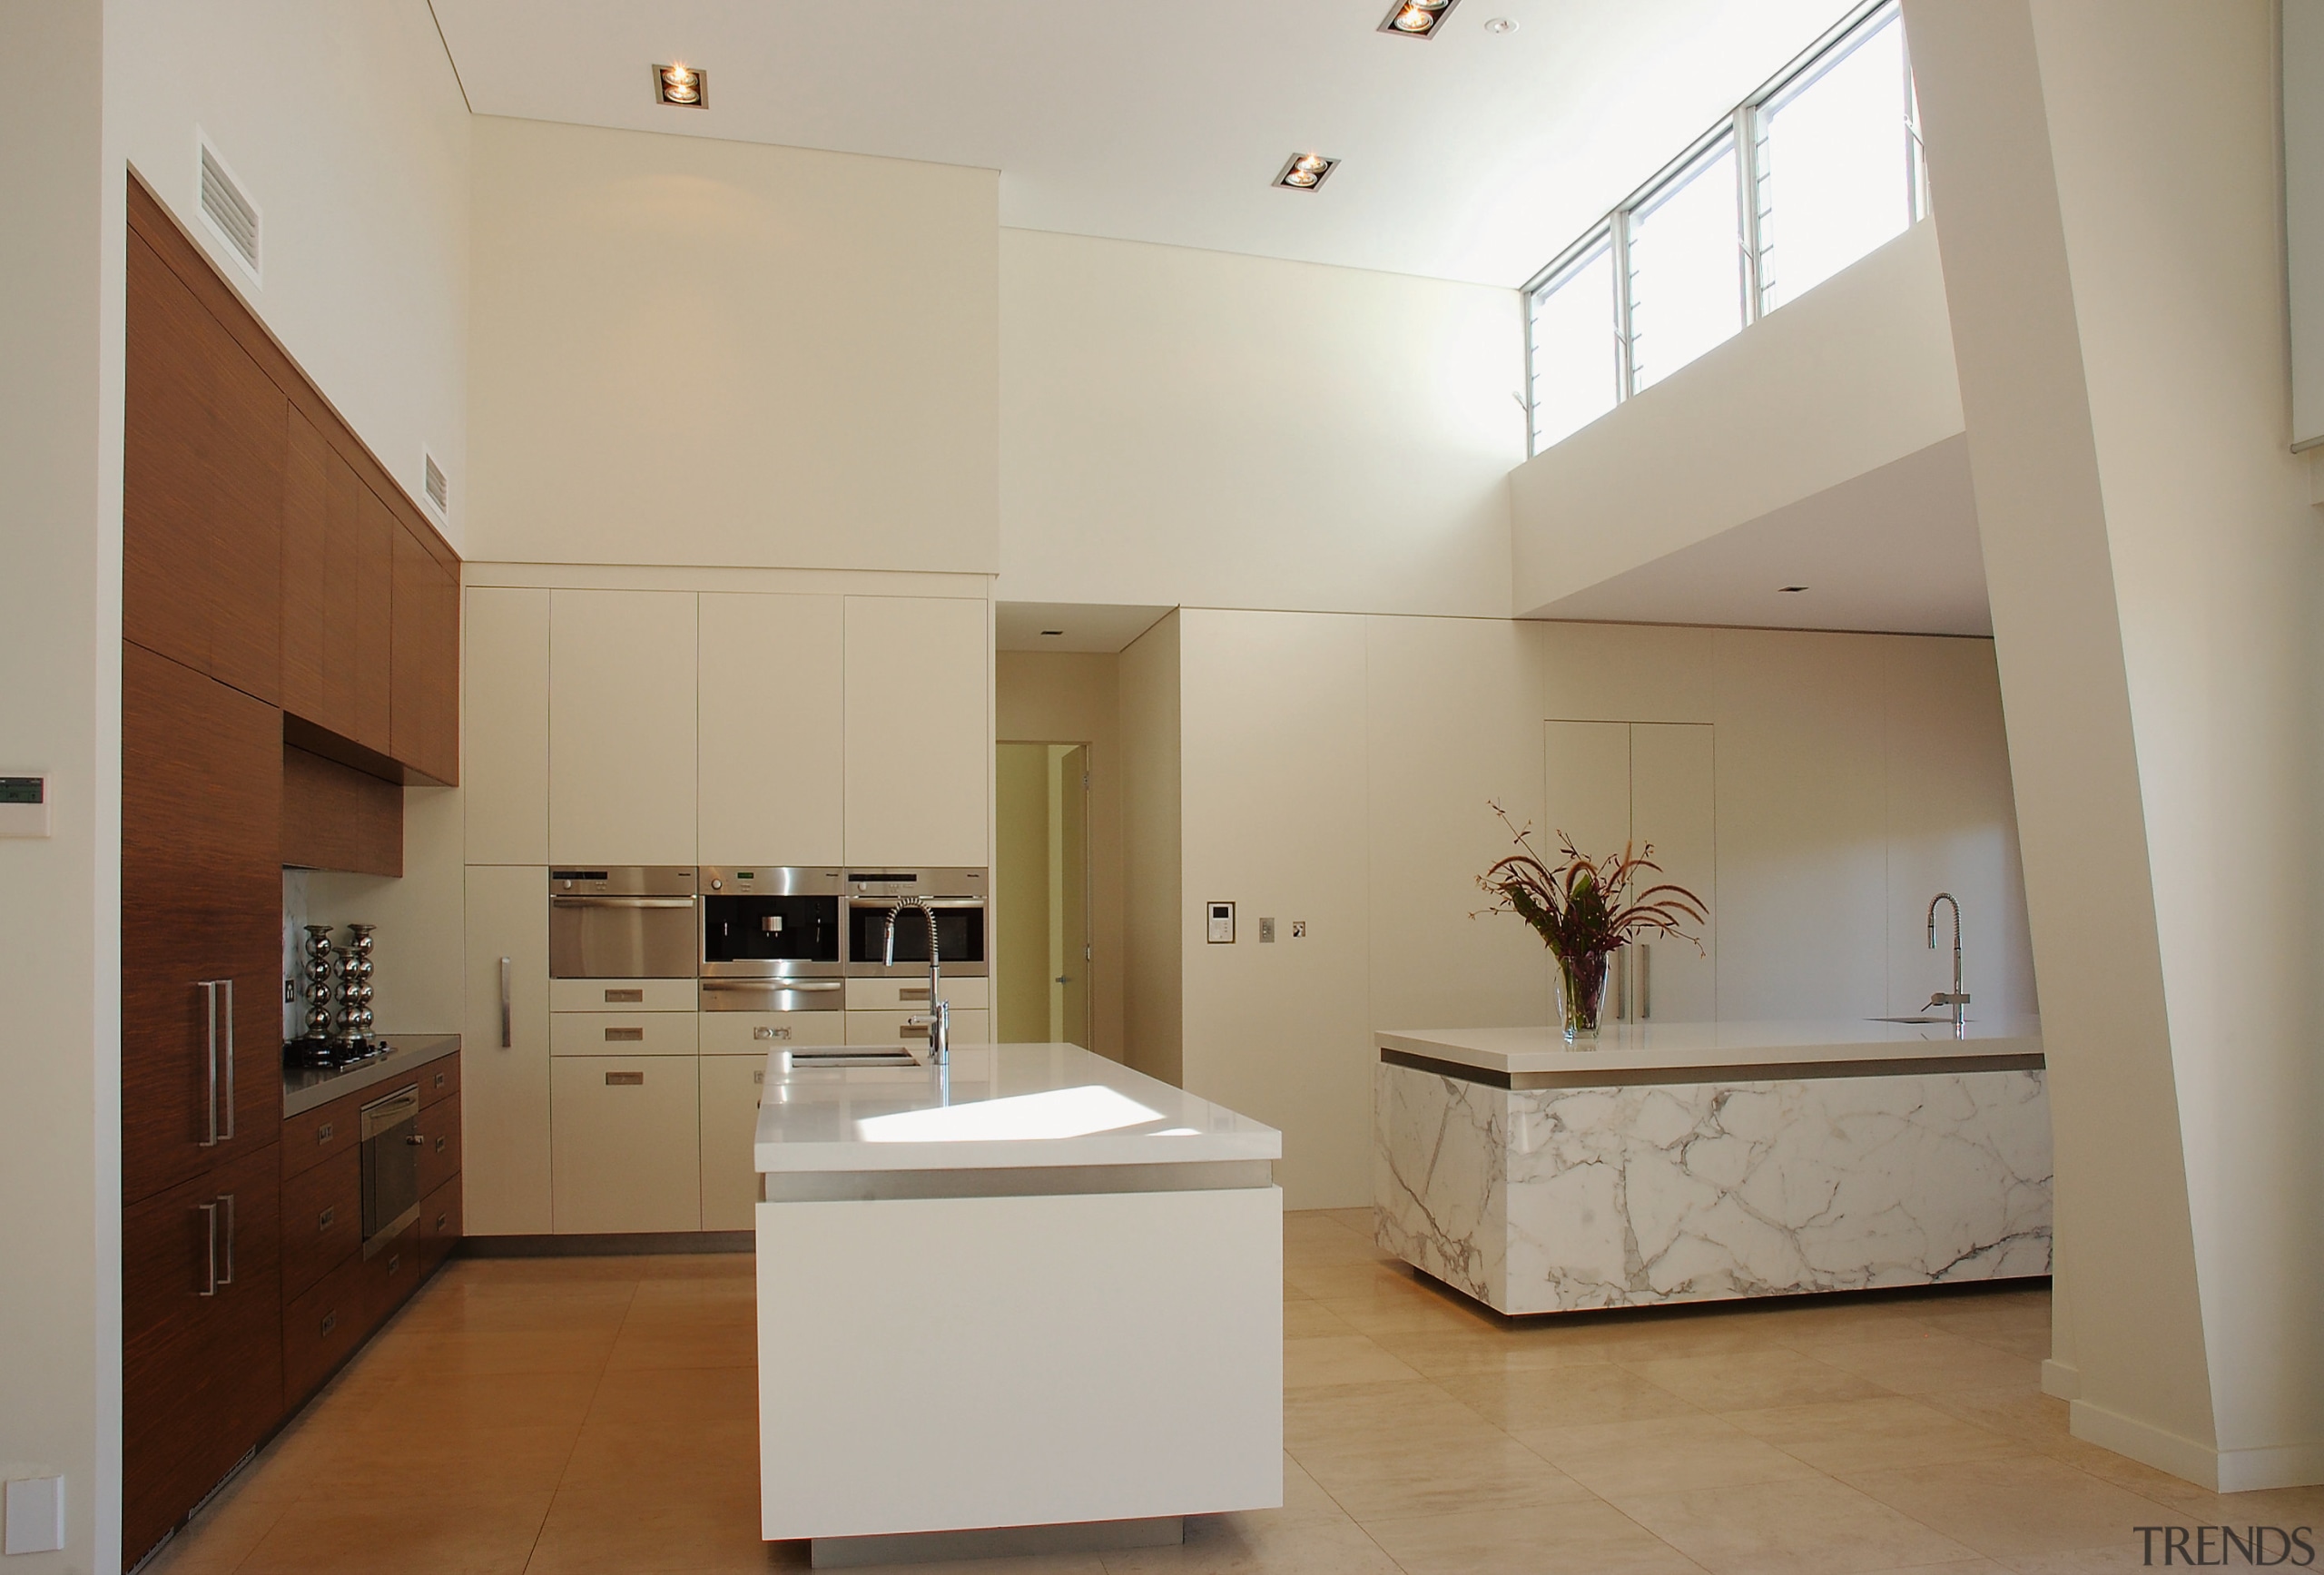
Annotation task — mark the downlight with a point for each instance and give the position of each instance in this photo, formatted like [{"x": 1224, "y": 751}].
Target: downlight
[
  {"x": 1417, "y": 18},
  {"x": 1305, "y": 172},
  {"x": 682, "y": 86}
]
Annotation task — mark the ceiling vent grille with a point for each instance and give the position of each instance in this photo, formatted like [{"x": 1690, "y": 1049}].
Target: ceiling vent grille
[
  {"x": 229, "y": 208},
  {"x": 439, "y": 488}
]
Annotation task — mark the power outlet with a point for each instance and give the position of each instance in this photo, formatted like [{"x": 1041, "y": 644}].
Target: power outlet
[
  {"x": 1299, "y": 930},
  {"x": 36, "y": 1516}
]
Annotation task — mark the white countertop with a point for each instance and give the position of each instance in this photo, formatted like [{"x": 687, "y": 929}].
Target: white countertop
[
  {"x": 995, "y": 1107},
  {"x": 1659, "y": 1047}
]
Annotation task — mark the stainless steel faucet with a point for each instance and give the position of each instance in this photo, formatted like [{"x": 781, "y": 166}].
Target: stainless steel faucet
[
  {"x": 1957, "y": 998},
  {"x": 939, "y": 1010}
]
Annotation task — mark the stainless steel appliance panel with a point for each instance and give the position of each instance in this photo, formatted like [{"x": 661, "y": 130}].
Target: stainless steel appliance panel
[
  {"x": 958, "y": 896},
  {"x": 771, "y": 938},
  {"x": 623, "y": 921},
  {"x": 391, "y": 1148}
]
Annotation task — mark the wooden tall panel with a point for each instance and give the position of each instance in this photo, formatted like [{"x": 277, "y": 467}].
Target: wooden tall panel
[{"x": 424, "y": 726}]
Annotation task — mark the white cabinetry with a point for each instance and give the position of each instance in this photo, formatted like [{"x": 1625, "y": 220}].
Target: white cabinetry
[
  {"x": 770, "y": 747},
  {"x": 731, "y": 1086},
  {"x": 911, "y": 1027},
  {"x": 621, "y": 780},
  {"x": 1611, "y": 784},
  {"x": 505, "y": 1088},
  {"x": 504, "y": 725},
  {"x": 919, "y": 731},
  {"x": 628, "y": 1143}
]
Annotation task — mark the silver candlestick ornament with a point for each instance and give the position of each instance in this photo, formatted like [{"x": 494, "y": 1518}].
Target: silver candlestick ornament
[
  {"x": 318, "y": 968},
  {"x": 354, "y": 1038}
]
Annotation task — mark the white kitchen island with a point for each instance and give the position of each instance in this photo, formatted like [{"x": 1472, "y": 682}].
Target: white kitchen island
[
  {"x": 1030, "y": 1300},
  {"x": 1679, "y": 1162}
]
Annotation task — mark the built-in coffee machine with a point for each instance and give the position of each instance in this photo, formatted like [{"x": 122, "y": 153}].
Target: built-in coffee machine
[{"x": 771, "y": 938}]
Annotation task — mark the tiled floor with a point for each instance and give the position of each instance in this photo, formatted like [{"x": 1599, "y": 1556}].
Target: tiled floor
[{"x": 578, "y": 1416}]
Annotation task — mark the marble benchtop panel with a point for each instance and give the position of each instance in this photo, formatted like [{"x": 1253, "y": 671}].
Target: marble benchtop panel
[
  {"x": 995, "y": 1107},
  {"x": 1676, "y": 1051}
]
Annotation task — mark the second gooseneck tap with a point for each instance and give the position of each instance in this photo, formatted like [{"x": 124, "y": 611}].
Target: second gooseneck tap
[
  {"x": 1958, "y": 998},
  {"x": 939, "y": 1012}
]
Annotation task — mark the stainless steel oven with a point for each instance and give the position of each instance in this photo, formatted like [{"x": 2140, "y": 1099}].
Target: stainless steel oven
[
  {"x": 770, "y": 938},
  {"x": 622, "y": 921},
  {"x": 391, "y": 1148},
  {"x": 958, "y": 897}
]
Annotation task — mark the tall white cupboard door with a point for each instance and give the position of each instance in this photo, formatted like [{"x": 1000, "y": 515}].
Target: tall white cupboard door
[
  {"x": 628, "y": 1144},
  {"x": 503, "y": 1052},
  {"x": 1672, "y": 807},
  {"x": 731, "y": 1086},
  {"x": 1589, "y": 767},
  {"x": 621, "y": 739},
  {"x": 504, "y": 725},
  {"x": 919, "y": 731},
  {"x": 771, "y": 706}
]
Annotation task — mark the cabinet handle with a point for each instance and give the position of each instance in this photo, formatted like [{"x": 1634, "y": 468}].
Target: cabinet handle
[
  {"x": 562, "y": 902},
  {"x": 324, "y": 1133},
  {"x": 227, "y": 1198},
  {"x": 330, "y": 1322},
  {"x": 440, "y": 1141},
  {"x": 439, "y": 1079},
  {"x": 507, "y": 970},
  {"x": 443, "y": 1219},
  {"x": 625, "y": 1079},
  {"x": 625, "y": 1035},
  {"x": 621, "y": 997},
  {"x": 913, "y": 992},
  {"x": 210, "y": 1251},
  {"x": 1645, "y": 979},
  {"x": 230, "y": 1103},
  {"x": 209, "y": 1021},
  {"x": 325, "y": 1220},
  {"x": 395, "y": 1261}
]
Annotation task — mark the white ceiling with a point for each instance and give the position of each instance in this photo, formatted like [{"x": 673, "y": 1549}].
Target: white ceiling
[
  {"x": 1069, "y": 626},
  {"x": 1895, "y": 550},
  {"x": 1467, "y": 156}
]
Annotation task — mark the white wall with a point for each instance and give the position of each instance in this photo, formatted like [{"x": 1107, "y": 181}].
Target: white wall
[
  {"x": 1190, "y": 427},
  {"x": 1337, "y": 769},
  {"x": 60, "y": 627},
  {"x": 1853, "y": 375},
  {"x": 1153, "y": 949},
  {"x": 420, "y": 916},
  {"x": 2118, "y": 320},
  {"x": 712, "y": 353},
  {"x": 345, "y": 124}
]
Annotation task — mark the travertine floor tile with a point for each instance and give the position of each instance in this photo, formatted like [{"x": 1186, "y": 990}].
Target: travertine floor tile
[
  {"x": 1566, "y": 1397},
  {"x": 2029, "y": 1504},
  {"x": 1750, "y": 1380},
  {"x": 1927, "y": 1362},
  {"x": 1876, "y": 1435},
  {"x": 1224, "y": 1545},
  {"x": 1628, "y": 1459},
  {"x": 605, "y": 1528},
  {"x": 1586, "y": 1537},
  {"x": 1807, "y": 1527},
  {"x": 1304, "y": 1319},
  {"x": 1438, "y": 1474},
  {"x": 223, "y": 1536},
  {"x": 1311, "y": 1364},
  {"x": 395, "y": 1534}
]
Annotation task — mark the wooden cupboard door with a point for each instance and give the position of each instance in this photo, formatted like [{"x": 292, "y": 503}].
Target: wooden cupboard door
[
  {"x": 424, "y": 668},
  {"x": 440, "y": 1225},
  {"x": 771, "y": 710},
  {"x": 505, "y": 1087},
  {"x": 201, "y": 1374},
  {"x": 323, "y": 1220},
  {"x": 731, "y": 1087},
  {"x": 919, "y": 731},
  {"x": 307, "y": 582},
  {"x": 358, "y": 611},
  {"x": 322, "y": 1325},
  {"x": 621, "y": 736},
  {"x": 438, "y": 1133},
  {"x": 203, "y": 476},
  {"x": 504, "y": 718},
  {"x": 627, "y": 1134},
  {"x": 200, "y": 893}
]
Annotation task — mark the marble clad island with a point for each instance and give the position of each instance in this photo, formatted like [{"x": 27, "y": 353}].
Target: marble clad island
[
  {"x": 1681, "y": 1162},
  {"x": 1028, "y": 1301}
]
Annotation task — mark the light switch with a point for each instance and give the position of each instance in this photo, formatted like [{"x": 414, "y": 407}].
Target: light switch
[
  {"x": 36, "y": 1516},
  {"x": 1266, "y": 932},
  {"x": 24, "y": 806},
  {"x": 1222, "y": 923}
]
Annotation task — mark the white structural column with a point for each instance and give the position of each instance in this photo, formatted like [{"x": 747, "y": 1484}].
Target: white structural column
[{"x": 2105, "y": 184}]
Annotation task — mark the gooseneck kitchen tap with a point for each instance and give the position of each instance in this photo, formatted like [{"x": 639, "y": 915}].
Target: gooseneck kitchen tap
[
  {"x": 939, "y": 1011},
  {"x": 1958, "y": 998}
]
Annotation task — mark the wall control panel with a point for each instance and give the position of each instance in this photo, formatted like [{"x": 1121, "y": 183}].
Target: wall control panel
[
  {"x": 24, "y": 806},
  {"x": 1221, "y": 926}
]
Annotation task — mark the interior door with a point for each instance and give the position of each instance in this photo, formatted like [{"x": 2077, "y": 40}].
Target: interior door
[
  {"x": 1672, "y": 797},
  {"x": 1072, "y": 939}
]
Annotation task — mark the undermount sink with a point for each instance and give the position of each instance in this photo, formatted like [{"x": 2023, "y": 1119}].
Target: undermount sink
[
  {"x": 1919, "y": 1020},
  {"x": 879, "y": 1058}
]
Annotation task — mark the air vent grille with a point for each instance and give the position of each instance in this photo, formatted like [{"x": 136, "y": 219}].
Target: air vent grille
[
  {"x": 232, "y": 214},
  {"x": 439, "y": 489}
]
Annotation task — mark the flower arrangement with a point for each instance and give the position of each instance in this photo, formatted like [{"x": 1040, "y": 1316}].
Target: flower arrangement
[{"x": 1585, "y": 910}]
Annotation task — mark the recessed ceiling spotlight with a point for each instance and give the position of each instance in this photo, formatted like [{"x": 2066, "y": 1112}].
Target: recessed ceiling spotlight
[
  {"x": 683, "y": 86},
  {"x": 1787, "y": 590},
  {"x": 1499, "y": 25},
  {"x": 1305, "y": 172},
  {"x": 1417, "y": 18}
]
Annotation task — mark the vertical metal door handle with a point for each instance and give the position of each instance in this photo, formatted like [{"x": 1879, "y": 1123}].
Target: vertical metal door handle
[
  {"x": 210, "y": 1253},
  {"x": 227, "y": 1198},
  {"x": 1645, "y": 979},
  {"x": 210, "y": 1015},
  {"x": 230, "y": 1100},
  {"x": 507, "y": 970}
]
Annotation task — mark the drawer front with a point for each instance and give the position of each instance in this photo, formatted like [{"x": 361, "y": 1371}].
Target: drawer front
[
  {"x": 441, "y": 1222},
  {"x": 317, "y": 1135},
  {"x": 899, "y": 1027},
  {"x": 440, "y": 1145},
  {"x": 912, "y": 994},
  {"x": 394, "y": 1274},
  {"x": 322, "y": 1326},
  {"x": 756, "y": 1033},
  {"x": 440, "y": 1078},
  {"x": 626, "y": 1144},
  {"x": 323, "y": 1220},
  {"x": 623, "y": 995},
  {"x": 630, "y": 1033}
]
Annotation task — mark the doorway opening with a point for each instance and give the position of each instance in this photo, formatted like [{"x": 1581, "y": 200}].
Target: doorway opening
[{"x": 1043, "y": 945}]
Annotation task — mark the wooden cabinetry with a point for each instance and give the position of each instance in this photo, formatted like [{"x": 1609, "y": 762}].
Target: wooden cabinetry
[
  {"x": 919, "y": 731},
  {"x": 621, "y": 732},
  {"x": 424, "y": 688},
  {"x": 771, "y": 745}
]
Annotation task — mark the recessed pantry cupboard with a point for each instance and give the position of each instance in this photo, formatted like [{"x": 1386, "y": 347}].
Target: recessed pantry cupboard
[{"x": 741, "y": 719}]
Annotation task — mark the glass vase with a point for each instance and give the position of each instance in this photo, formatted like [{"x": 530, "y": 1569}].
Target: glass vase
[{"x": 1582, "y": 991}]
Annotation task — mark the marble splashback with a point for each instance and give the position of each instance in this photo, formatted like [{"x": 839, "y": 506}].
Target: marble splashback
[{"x": 1548, "y": 1200}]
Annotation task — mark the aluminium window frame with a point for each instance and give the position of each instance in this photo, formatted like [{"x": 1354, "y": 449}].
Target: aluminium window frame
[{"x": 1746, "y": 125}]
